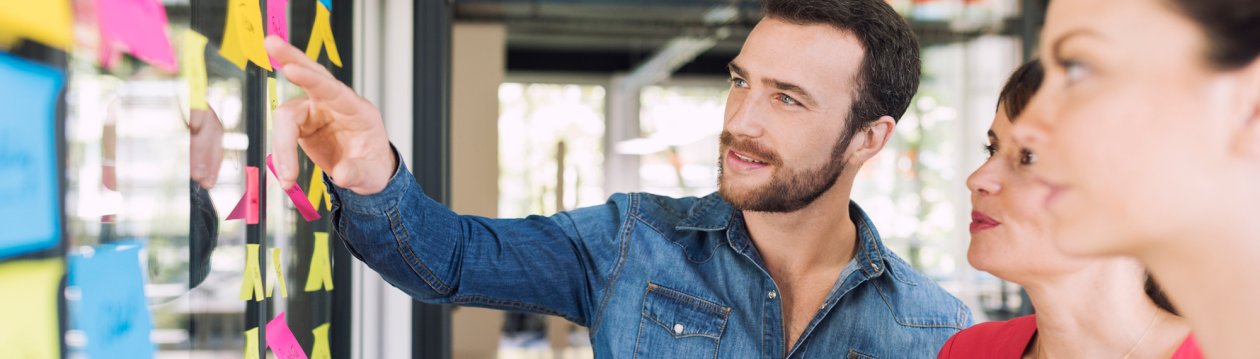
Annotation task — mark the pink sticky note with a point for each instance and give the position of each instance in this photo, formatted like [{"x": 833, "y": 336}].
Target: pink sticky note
[
  {"x": 247, "y": 208},
  {"x": 140, "y": 26},
  {"x": 297, "y": 196},
  {"x": 277, "y": 22},
  {"x": 281, "y": 340}
]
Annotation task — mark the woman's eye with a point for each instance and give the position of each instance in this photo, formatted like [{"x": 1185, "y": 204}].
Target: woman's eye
[
  {"x": 788, "y": 100},
  {"x": 989, "y": 151},
  {"x": 1026, "y": 157},
  {"x": 1075, "y": 71}
]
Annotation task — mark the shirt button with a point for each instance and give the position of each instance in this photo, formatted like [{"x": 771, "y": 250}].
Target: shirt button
[
  {"x": 678, "y": 328},
  {"x": 773, "y": 294},
  {"x": 874, "y": 267}
]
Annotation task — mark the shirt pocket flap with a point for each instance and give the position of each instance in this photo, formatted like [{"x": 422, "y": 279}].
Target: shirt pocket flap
[{"x": 684, "y": 315}]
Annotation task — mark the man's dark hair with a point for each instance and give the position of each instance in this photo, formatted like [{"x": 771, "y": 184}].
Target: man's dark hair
[
  {"x": 889, "y": 75},
  {"x": 1232, "y": 28},
  {"x": 1020, "y": 88}
]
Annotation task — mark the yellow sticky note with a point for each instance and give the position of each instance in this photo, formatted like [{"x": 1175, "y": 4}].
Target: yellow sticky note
[
  {"x": 28, "y": 316},
  {"x": 193, "y": 65},
  {"x": 322, "y": 37},
  {"x": 320, "y": 275},
  {"x": 251, "y": 281},
  {"x": 275, "y": 258},
  {"x": 46, "y": 21},
  {"x": 243, "y": 35},
  {"x": 251, "y": 344},
  {"x": 320, "y": 349},
  {"x": 317, "y": 190},
  {"x": 272, "y": 100}
]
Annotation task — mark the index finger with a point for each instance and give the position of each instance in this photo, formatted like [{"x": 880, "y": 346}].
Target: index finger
[{"x": 318, "y": 83}]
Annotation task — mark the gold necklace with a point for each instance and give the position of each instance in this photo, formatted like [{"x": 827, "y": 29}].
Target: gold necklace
[{"x": 1155, "y": 318}]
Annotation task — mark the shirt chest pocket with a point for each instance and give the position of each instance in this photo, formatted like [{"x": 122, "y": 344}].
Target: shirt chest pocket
[{"x": 679, "y": 325}]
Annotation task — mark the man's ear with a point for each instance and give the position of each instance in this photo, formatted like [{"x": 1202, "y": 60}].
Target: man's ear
[{"x": 871, "y": 139}]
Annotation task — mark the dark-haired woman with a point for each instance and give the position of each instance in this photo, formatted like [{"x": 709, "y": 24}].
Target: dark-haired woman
[
  {"x": 1096, "y": 307},
  {"x": 1147, "y": 135}
]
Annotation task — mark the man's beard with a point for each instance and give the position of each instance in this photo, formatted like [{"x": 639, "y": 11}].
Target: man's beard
[{"x": 789, "y": 190}]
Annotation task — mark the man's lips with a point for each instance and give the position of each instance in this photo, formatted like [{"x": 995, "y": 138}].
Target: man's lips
[
  {"x": 744, "y": 161},
  {"x": 981, "y": 221}
]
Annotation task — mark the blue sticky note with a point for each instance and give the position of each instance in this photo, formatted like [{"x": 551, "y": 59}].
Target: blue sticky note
[
  {"x": 106, "y": 299},
  {"x": 30, "y": 205},
  {"x": 327, "y": 4}
]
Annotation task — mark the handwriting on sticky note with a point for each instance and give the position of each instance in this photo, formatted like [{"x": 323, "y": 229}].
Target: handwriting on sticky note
[
  {"x": 322, "y": 37},
  {"x": 29, "y": 290},
  {"x": 247, "y": 207},
  {"x": 110, "y": 307},
  {"x": 193, "y": 68},
  {"x": 30, "y": 213},
  {"x": 140, "y": 27},
  {"x": 319, "y": 350},
  {"x": 277, "y": 21},
  {"x": 318, "y": 190},
  {"x": 243, "y": 35},
  {"x": 251, "y": 278},
  {"x": 251, "y": 344},
  {"x": 297, "y": 196},
  {"x": 275, "y": 258},
  {"x": 272, "y": 100},
  {"x": 49, "y": 22},
  {"x": 320, "y": 275},
  {"x": 281, "y": 340}
]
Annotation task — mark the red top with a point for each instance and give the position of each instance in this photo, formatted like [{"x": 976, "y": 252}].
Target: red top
[{"x": 1009, "y": 339}]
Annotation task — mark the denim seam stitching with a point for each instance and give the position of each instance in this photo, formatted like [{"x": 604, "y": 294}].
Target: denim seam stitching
[
  {"x": 624, "y": 234},
  {"x": 689, "y": 299},
  {"x": 417, "y": 266},
  {"x": 491, "y": 301}
]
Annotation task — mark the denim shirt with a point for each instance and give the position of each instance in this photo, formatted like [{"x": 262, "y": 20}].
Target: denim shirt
[{"x": 651, "y": 276}]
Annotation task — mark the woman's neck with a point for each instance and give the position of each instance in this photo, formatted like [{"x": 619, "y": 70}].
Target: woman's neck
[{"x": 1101, "y": 311}]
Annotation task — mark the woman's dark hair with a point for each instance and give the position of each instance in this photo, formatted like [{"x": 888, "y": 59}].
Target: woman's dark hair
[
  {"x": 1020, "y": 88},
  {"x": 1015, "y": 96},
  {"x": 1232, "y": 28}
]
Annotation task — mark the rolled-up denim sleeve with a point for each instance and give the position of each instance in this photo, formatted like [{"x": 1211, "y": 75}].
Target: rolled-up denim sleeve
[{"x": 559, "y": 265}]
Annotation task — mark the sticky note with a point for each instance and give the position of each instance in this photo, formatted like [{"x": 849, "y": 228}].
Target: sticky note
[
  {"x": 319, "y": 350},
  {"x": 247, "y": 207},
  {"x": 251, "y": 278},
  {"x": 297, "y": 196},
  {"x": 193, "y": 68},
  {"x": 277, "y": 21},
  {"x": 272, "y": 100},
  {"x": 322, "y": 37},
  {"x": 318, "y": 190},
  {"x": 320, "y": 275},
  {"x": 251, "y": 344},
  {"x": 275, "y": 258},
  {"x": 30, "y": 214},
  {"x": 281, "y": 340},
  {"x": 29, "y": 290},
  {"x": 108, "y": 303},
  {"x": 49, "y": 22},
  {"x": 140, "y": 27},
  {"x": 243, "y": 35}
]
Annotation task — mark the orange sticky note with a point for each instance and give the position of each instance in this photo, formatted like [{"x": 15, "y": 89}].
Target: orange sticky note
[
  {"x": 46, "y": 21},
  {"x": 251, "y": 281},
  {"x": 320, "y": 275},
  {"x": 318, "y": 191},
  {"x": 243, "y": 35},
  {"x": 322, "y": 37}
]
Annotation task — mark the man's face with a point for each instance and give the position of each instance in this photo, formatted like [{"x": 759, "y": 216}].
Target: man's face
[{"x": 791, "y": 90}]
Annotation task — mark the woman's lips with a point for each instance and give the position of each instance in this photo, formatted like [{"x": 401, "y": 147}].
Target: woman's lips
[{"x": 981, "y": 222}]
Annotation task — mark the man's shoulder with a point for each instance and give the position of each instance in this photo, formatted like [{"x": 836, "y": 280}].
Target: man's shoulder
[{"x": 918, "y": 301}]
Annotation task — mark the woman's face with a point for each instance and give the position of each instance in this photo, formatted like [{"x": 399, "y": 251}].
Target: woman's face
[
  {"x": 1135, "y": 133},
  {"x": 1010, "y": 234}
]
